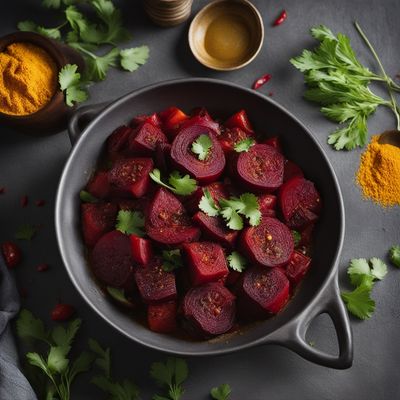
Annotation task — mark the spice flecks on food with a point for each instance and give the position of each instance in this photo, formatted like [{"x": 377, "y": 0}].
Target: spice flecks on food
[{"x": 28, "y": 79}]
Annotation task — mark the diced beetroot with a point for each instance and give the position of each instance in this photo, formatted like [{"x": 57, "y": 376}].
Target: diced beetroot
[
  {"x": 117, "y": 142},
  {"x": 142, "y": 251},
  {"x": 202, "y": 118},
  {"x": 274, "y": 142},
  {"x": 306, "y": 235},
  {"x": 99, "y": 186},
  {"x": 204, "y": 171},
  {"x": 263, "y": 292},
  {"x": 214, "y": 228},
  {"x": 154, "y": 284},
  {"x": 97, "y": 219},
  {"x": 270, "y": 243},
  {"x": 142, "y": 119},
  {"x": 111, "y": 260},
  {"x": 172, "y": 118},
  {"x": 298, "y": 266},
  {"x": 161, "y": 317},
  {"x": 167, "y": 221},
  {"x": 230, "y": 137},
  {"x": 217, "y": 191},
  {"x": 206, "y": 261},
  {"x": 261, "y": 168},
  {"x": 130, "y": 176},
  {"x": 291, "y": 170},
  {"x": 162, "y": 156},
  {"x": 210, "y": 308},
  {"x": 240, "y": 120},
  {"x": 267, "y": 202},
  {"x": 300, "y": 202},
  {"x": 133, "y": 204},
  {"x": 144, "y": 139}
]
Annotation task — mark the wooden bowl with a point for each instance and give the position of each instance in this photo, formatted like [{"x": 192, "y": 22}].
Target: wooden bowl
[
  {"x": 53, "y": 117},
  {"x": 244, "y": 28}
]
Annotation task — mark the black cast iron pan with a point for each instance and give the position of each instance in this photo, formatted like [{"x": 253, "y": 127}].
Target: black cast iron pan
[{"x": 319, "y": 293}]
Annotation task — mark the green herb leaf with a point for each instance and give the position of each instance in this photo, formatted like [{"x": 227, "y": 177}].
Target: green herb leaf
[
  {"x": 97, "y": 67},
  {"x": 56, "y": 360},
  {"x": 379, "y": 268},
  {"x": 250, "y": 208},
  {"x": 201, "y": 147},
  {"x": 74, "y": 95},
  {"x": 132, "y": 58},
  {"x": 27, "y": 26},
  {"x": 172, "y": 259},
  {"x": 237, "y": 262},
  {"x": 179, "y": 185},
  {"x": 357, "y": 270},
  {"x": 86, "y": 197},
  {"x": 63, "y": 337},
  {"x": 394, "y": 254},
  {"x": 51, "y": 3},
  {"x": 125, "y": 391},
  {"x": 233, "y": 220},
  {"x": 82, "y": 364},
  {"x": 221, "y": 392},
  {"x": 296, "y": 237},
  {"x": 208, "y": 205},
  {"x": 118, "y": 295},
  {"x": 29, "y": 327},
  {"x": 25, "y": 232},
  {"x": 103, "y": 361},
  {"x": 244, "y": 145},
  {"x": 359, "y": 302},
  {"x": 130, "y": 222},
  {"x": 36, "y": 360},
  {"x": 69, "y": 80}
]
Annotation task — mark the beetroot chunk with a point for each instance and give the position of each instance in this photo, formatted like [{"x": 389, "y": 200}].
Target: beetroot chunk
[
  {"x": 143, "y": 141},
  {"x": 202, "y": 118},
  {"x": 269, "y": 244},
  {"x": 230, "y": 137},
  {"x": 99, "y": 186},
  {"x": 142, "y": 251},
  {"x": 172, "y": 118},
  {"x": 298, "y": 266},
  {"x": 291, "y": 170},
  {"x": 143, "y": 119},
  {"x": 267, "y": 203},
  {"x": 117, "y": 142},
  {"x": 97, "y": 219},
  {"x": 206, "y": 261},
  {"x": 263, "y": 292},
  {"x": 154, "y": 284},
  {"x": 214, "y": 228},
  {"x": 210, "y": 308},
  {"x": 261, "y": 168},
  {"x": 300, "y": 202},
  {"x": 130, "y": 176},
  {"x": 167, "y": 221},
  {"x": 204, "y": 171},
  {"x": 274, "y": 142},
  {"x": 111, "y": 260},
  {"x": 161, "y": 317},
  {"x": 240, "y": 120}
]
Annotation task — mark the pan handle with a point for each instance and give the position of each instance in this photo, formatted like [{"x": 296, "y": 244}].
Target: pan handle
[
  {"x": 293, "y": 336},
  {"x": 81, "y": 117}
]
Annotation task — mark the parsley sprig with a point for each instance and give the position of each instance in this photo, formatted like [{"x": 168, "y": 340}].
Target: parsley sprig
[
  {"x": 339, "y": 82},
  {"x": 182, "y": 185}
]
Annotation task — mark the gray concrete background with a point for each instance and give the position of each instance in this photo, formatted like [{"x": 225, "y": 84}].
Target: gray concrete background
[{"x": 32, "y": 166}]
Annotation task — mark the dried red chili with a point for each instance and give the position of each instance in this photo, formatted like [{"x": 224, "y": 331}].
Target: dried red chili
[
  {"x": 11, "y": 253},
  {"x": 282, "y": 16},
  {"x": 42, "y": 267},
  {"x": 40, "y": 203},
  {"x": 262, "y": 80},
  {"x": 24, "y": 201}
]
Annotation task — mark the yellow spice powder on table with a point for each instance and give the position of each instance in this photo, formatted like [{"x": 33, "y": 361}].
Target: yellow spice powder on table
[
  {"x": 28, "y": 79},
  {"x": 379, "y": 173}
]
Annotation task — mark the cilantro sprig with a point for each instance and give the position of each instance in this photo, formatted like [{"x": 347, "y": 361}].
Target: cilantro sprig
[
  {"x": 232, "y": 209},
  {"x": 222, "y": 392},
  {"x": 202, "y": 146},
  {"x": 244, "y": 145},
  {"x": 172, "y": 259},
  {"x": 394, "y": 254},
  {"x": 130, "y": 222},
  {"x": 236, "y": 261},
  {"x": 340, "y": 83},
  {"x": 182, "y": 185},
  {"x": 70, "y": 84}
]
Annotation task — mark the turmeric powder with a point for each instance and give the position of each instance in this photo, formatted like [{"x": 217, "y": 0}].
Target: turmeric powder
[
  {"x": 379, "y": 173},
  {"x": 28, "y": 79}
]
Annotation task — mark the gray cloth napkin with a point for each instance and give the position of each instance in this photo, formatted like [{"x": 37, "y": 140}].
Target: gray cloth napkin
[{"x": 13, "y": 384}]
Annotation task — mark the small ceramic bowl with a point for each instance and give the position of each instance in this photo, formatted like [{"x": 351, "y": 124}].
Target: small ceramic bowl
[
  {"x": 226, "y": 34},
  {"x": 53, "y": 117}
]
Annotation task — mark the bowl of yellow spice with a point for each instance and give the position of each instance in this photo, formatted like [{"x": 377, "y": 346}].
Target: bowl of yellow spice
[{"x": 30, "y": 97}]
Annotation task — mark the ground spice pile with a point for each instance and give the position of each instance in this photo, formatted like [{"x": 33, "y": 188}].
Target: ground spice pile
[
  {"x": 28, "y": 79},
  {"x": 379, "y": 173}
]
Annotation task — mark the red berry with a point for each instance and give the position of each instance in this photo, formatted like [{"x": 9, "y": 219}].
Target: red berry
[
  {"x": 11, "y": 254},
  {"x": 42, "y": 267},
  {"x": 40, "y": 203},
  {"x": 62, "y": 312},
  {"x": 24, "y": 201}
]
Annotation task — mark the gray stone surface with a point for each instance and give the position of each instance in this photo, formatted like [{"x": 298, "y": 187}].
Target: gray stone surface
[{"x": 33, "y": 165}]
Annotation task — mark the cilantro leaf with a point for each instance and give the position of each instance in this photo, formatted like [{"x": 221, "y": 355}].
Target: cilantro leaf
[
  {"x": 56, "y": 360},
  {"x": 172, "y": 259},
  {"x": 394, "y": 254},
  {"x": 51, "y": 3},
  {"x": 86, "y": 197},
  {"x": 132, "y": 58},
  {"x": 27, "y": 26},
  {"x": 379, "y": 268},
  {"x": 236, "y": 261},
  {"x": 179, "y": 185},
  {"x": 221, "y": 392},
  {"x": 63, "y": 337},
  {"x": 130, "y": 222},
  {"x": 69, "y": 80},
  {"x": 244, "y": 145},
  {"x": 74, "y": 94},
  {"x": 359, "y": 302},
  {"x": 208, "y": 205},
  {"x": 37, "y": 360},
  {"x": 81, "y": 364},
  {"x": 25, "y": 232},
  {"x": 357, "y": 270},
  {"x": 201, "y": 147},
  {"x": 30, "y": 26},
  {"x": 118, "y": 295},
  {"x": 250, "y": 208},
  {"x": 296, "y": 237},
  {"x": 29, "y": 327},
  {"x": 98, "y": 66},
  {"x": 125, "y": 391},
  {"x": 233, "y": 220}
]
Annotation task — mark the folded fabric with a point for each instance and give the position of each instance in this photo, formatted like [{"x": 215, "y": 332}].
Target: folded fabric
[{"x": 13, "y": 384}]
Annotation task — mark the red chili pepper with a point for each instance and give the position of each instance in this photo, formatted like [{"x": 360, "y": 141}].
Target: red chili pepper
[
  {"x": 11, "y": 254},
  {"x": 282, "y": 16},
  {"x": 40, "y": 203},
  {"x": 62, "y": 312},
  {"x": 261, "y": 81},
  {"x": 2, "y": 190},
  {"x": 24, "y": 201},
  {"x": 42, "y": 267}
]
